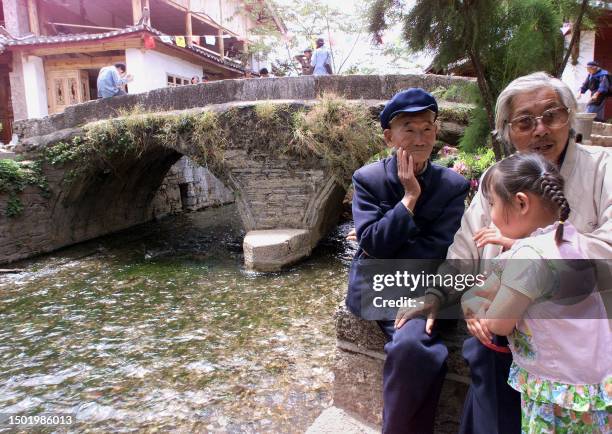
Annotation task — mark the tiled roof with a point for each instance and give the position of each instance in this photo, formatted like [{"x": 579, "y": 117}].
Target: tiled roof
[
  {"x": 78, "y": 37},
  {"x": 83, "y": 37}
]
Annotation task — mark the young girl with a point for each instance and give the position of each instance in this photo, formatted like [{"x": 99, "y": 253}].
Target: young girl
[{"x": 542, "y": 295}]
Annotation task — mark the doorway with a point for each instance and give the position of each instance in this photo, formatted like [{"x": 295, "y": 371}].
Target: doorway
[{"x": 6, "y": 106}]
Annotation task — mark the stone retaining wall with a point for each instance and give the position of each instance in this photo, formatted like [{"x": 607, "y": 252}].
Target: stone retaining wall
[
  {"x": 189, "y": 187},
  {"x": 359, "y": 366}
]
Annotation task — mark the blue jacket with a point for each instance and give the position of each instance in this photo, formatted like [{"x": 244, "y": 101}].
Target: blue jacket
[
  {"x": 385, "y": 228},
  {"x": 597, "y": 82}
]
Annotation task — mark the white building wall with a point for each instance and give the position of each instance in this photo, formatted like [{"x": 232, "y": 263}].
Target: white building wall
[
  {"x": 35, "y": 87},
  {"x": 574, "y": 75},
  {"x": 150, "y": 69}
]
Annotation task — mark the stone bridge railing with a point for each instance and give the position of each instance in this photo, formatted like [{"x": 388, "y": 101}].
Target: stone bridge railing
[
  {"x": 356, "y": 87},
  {"x": 101, "y": 176}
]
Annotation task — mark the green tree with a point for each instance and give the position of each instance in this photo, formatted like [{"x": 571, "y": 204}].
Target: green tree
[
  {"x": 305, "y": 22},
  {"x": 501, "y": 39},
  {"x": 316, "y": 18}
]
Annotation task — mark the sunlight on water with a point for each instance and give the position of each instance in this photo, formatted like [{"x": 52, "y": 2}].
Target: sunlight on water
[{"x": 160, "y": 328}]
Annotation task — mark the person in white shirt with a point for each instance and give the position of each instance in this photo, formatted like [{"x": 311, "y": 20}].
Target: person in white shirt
[{"x": 321, "y": 59}]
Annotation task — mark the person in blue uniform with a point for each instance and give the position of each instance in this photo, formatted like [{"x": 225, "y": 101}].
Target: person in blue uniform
[
  {"x": 406, "y": 207},
  {"x": 598, "y": 82}
]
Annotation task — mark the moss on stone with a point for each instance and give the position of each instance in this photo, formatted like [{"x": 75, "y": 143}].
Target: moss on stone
[
  {"x": 15, "y": 176},
  {"x": 466, "y": 92},
  {"x": 343, "y": 135},
  {"x": 459, "y": 113},
  {"x": 109, "y": 142}
]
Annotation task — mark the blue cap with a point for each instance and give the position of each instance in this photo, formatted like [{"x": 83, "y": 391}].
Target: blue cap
[
  {"x": 413, "y": 100},
  {"x": 593, "y": 63}
]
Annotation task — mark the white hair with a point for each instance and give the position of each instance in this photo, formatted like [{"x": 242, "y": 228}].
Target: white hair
[{"x": 530, "y": 83}]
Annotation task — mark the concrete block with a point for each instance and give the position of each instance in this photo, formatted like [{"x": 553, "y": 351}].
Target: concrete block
[
  {"x": 366, "y": 336},
  {"x": 352, "y": 329},
  {"x": 271, "y": 250},
  {"x": 358, "y": 390}
]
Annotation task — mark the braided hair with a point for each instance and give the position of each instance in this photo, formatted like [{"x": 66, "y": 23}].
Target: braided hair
[{"x": 528, "y": 173}]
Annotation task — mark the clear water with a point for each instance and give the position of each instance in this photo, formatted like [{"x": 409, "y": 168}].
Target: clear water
[{"x": 159, "y": 328}]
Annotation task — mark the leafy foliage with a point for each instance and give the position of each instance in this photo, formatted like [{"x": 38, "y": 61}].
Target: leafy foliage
[
  {"x": 476, "y": 134},
  {"x": 15, "y": 177},
  {"x": 472, "y": 165},
  {"x": 305, "y": 22}
]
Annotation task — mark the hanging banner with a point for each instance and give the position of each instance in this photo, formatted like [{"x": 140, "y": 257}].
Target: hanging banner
[
  {"x": 180, "y": 41},
  {"x": 165, "y": 38},
  {"x": 210, "y": 40},
  {"x": 149, "y": 41}
]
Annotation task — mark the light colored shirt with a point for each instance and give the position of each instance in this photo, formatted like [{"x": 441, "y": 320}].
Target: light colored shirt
[
  {"x": 320, "y": 58},
  {"x": 566, "y": 325},
  {"x": 109, "y": 82}
]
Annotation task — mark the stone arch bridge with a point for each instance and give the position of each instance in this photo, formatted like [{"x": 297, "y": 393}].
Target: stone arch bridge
[{"x": 283, "y": 145}]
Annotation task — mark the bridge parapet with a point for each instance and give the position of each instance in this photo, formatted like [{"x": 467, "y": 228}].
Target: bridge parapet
[{"x": 353, "y": 87}]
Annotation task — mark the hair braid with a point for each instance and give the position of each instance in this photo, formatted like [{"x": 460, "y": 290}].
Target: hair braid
[
  {"x": 551, "y": 187},
  {"x": 528, "y": 173}
]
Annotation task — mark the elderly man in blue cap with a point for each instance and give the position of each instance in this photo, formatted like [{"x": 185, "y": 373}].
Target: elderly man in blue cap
[{"x": 405, "y": 207}]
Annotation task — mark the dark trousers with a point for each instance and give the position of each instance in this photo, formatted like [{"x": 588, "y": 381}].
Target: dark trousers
[
  {"x": 412, "y": 378},
  {"x": 492, "y": 406}
]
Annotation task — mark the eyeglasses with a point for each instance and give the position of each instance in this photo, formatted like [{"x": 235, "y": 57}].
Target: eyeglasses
[{"x": 552, "y": 118}]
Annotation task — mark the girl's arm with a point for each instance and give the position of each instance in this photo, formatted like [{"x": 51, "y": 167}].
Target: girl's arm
[
  {"x": 506, "y": 310},
  {"x": 480, "y": 297},
  {"x": 525, "y": 278}
]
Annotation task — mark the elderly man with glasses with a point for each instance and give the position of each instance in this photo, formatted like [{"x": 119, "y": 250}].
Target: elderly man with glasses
[{"x": 535, "y": 113}]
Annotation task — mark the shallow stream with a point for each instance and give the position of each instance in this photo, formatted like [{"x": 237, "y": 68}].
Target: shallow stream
[{"x": 159, "y": 328}]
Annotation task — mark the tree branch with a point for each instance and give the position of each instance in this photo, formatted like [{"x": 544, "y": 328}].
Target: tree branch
[
  {"x": 349, "y": 53},
  {"x": 575, "y": 33}
]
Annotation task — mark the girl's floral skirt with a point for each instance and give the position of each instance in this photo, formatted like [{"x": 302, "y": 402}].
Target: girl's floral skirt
[
  {"x": 548, "y": 418},
  {"x": 558, "y": 408}
]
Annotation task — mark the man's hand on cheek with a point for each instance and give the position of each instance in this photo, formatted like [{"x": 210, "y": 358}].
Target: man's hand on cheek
[{"x": 405, "y": 173}]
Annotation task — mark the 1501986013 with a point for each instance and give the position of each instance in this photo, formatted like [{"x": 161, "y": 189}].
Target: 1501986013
[{"x": 48, "y": 419}]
